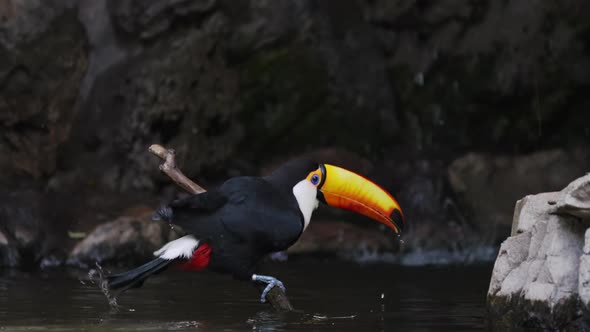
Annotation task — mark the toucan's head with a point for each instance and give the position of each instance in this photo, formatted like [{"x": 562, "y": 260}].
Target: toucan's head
[{"x": 335, "y": 186}]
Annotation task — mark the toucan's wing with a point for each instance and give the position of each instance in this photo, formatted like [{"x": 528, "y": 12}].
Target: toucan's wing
[
  {"x": 258, "y": 213},
  {"x": 185, "y": 209},
  {"x": 196, "y": 214},
  {"x": 208, "y": 201}
]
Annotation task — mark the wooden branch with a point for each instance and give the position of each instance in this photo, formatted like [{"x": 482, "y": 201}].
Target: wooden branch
[
  {"x": 169, "y": 167},
  {"x": 276, "y": 297}
]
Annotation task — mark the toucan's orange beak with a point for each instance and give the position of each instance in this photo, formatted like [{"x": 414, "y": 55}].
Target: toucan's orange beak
[{"x": 347, "y": 190}]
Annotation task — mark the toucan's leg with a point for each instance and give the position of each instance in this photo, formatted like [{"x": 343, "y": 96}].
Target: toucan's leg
[{"x": 270, "y": 283}]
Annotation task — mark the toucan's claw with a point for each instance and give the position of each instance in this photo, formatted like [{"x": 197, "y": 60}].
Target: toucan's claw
[
  {"x": 163, "y": 213},
  {"x": 270, "y": 283}
]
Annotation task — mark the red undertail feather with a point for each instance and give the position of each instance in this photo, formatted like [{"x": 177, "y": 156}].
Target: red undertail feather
[{"x": 199, "y": 260}]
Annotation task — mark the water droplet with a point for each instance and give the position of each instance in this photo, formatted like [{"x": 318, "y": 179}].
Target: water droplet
[{"x": 399, "y": 237}]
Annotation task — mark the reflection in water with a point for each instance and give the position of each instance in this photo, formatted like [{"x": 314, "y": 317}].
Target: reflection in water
[
  {"x": 268, "y": 320},
  {"x": 332, "y": 296}
]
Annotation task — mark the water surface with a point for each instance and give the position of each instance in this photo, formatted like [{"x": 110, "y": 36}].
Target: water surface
[{"x": 331, "y": 296}]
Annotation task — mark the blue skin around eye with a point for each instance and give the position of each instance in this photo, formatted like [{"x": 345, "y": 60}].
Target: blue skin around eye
[{"x": 315, "y": 179}]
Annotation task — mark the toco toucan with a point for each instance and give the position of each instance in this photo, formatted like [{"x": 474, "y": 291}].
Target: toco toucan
[{"x": 231, "y": 228}]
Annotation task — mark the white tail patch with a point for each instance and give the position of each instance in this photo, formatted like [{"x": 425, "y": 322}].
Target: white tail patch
[{"x": 180, "y": 248}]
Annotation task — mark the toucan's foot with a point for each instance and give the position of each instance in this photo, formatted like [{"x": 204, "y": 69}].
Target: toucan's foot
[{"x": 270, "y": 283}]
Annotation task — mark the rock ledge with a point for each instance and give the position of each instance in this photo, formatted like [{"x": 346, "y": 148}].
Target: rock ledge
[{"x": 541, "y": 277}]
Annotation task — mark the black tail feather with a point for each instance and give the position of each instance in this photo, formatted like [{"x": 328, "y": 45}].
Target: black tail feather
[{"x": 135, "y": 278}]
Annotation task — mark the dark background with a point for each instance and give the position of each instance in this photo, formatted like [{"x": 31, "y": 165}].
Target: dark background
[{"x": 459, "y": 108}]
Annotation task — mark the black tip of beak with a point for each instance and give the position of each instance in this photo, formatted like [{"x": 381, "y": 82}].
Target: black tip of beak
[{"x": 398, "y": 219}]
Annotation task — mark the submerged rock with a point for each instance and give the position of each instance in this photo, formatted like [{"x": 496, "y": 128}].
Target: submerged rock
[
  {"x": 540, "y": 278},
  {"x": 126, "y": 240}
]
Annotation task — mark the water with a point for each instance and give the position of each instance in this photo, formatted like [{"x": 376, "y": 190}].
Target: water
[{"x": 332, "y": 297}]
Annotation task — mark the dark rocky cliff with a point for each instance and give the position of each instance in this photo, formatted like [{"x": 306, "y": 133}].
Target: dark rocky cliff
[{"x": 398, "y": 90}]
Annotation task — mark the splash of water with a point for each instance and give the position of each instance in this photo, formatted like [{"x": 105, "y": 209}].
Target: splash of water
[{"x": 97, "y": 276}]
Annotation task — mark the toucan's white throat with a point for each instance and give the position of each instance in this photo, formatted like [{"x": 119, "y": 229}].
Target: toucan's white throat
[{"x": 306, "y": 194}]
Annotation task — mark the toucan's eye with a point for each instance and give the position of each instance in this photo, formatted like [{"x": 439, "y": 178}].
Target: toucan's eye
[{"x": 315, "y": 179}]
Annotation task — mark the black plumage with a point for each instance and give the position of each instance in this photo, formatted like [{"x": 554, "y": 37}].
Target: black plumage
[
  {"x": 232, "y": 227},
  {"x": 245, "y": 218},
  {"x": 136, "y": 277}
]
